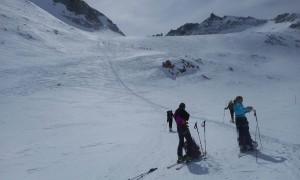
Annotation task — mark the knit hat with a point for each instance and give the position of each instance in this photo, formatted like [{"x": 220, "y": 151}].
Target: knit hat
[
  {"x": 182, "y": 106},
  {"x": 239, "y": 99}
]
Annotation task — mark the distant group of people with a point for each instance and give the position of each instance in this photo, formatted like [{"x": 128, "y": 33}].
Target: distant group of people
[{"x": 236, "y": 108}]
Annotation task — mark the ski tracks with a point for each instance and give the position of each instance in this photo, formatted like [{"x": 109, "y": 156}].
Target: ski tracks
[
  {"x": 117, "y": 76},
  {"x": 219, "y": 169}
]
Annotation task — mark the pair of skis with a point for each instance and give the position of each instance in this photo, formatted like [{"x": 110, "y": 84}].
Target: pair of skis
[
  {"x": 179, "y": 165},
  {"x": 184, "y": 163}
]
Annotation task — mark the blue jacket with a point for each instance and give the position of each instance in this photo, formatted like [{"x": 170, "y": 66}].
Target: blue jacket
[{"x": 240, "y": 110}]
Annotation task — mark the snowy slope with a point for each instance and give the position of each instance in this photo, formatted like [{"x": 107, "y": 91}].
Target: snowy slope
[{"x": 79, "y": 105}]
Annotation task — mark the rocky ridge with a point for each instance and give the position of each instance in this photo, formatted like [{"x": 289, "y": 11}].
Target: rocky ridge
[{"x": 78, "y": 13}]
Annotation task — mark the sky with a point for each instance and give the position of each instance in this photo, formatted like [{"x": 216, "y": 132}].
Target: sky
[{"x": 148, "y": 17}]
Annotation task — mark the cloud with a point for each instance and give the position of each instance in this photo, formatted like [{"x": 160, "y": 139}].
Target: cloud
[{"x": 145, "y": 17}]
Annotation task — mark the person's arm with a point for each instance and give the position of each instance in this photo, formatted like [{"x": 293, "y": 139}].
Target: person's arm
[
  {"x": 248, "y": 109},
  {"x": 186, "y": 115},
  {"x": 227, "y": 107}
]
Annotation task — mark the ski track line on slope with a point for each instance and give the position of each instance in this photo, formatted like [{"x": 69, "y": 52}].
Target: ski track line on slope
[
  {"x": 293, "y": 147},
  {"x": 157, "y": 106}
]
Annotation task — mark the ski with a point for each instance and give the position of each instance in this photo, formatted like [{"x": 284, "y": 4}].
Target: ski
[
  {"x": 172, "y": 165},
  {"x": 241, "y": 154},
  {"x": 183, "y": 165},
  {"x": 141, "y": 176}
]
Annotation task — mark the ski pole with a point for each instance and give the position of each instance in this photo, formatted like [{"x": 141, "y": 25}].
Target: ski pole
[
  {"x": 257, "y": 128},
  {"x": 196, "y": 127},
  {"x": 203, "y": 125},
  {"x": 223, "y": 115},
  {"x": 144, "y": 174}
]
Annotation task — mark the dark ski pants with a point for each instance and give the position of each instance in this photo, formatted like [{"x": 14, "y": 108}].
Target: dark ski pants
[
  {"x": 243, "y": 131},
  {"x": 244, "y": 136},
  {"x": 183, "y": 132},
  {"x": 170, "y": 124},
  {"x": 231, "y": 113}
]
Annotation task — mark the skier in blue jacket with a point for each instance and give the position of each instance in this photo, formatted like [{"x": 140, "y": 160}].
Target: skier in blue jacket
[{"x": 245, "y": 140}]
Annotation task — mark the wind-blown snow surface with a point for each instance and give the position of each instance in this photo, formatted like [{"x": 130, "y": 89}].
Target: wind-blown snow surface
[{"x": 77, "y": 105}]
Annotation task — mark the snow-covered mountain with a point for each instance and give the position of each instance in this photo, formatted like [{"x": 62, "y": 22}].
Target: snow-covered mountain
[
  {"x": 92, "y": 105},
  {"x": 292, "y": 18},
  {"x": 228, "y": 24},
  {"x": 79, "y": 14}
]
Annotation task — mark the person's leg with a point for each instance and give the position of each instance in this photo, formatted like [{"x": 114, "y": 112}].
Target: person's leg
[
  {"x": 231, "y": 113},
  {"x": 240, "y": 138},
  {"x": 181, "y": 142},
  {"x": 248, "y": 139},
  {"x": 170, "y": 125},
  {"x": 189, "y": 140}
]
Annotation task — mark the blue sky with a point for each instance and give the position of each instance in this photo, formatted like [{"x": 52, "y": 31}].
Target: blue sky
[{"x": 148, "y": 17}]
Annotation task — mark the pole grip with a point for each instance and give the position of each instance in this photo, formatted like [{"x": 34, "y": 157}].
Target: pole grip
[{"x": 203, "y": 124}]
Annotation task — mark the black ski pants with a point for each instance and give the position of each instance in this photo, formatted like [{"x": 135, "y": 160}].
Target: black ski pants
[
  {"x": 184, "y": 133},
  {"x": 243, "y": 131},
  {"x": 170, "y": 123},
  {"x": 170, "y": 119},
  {"x": 231, "y": 113}
]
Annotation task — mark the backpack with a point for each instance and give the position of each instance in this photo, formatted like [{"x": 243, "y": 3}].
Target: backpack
[{"x": 194, "y": 149}]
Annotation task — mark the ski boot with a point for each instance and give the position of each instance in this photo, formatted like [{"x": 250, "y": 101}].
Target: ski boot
[
  {"x": 254, "y": 144},
  {"x": 187, "y": 158},
  {"x": 242, "y": 149},
  {"x": 180, "y": 159}
]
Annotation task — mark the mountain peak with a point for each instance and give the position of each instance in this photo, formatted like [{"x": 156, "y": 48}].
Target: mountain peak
[
  {"x": 217, "y": 25},
  {"x": 214, "y": 17}
]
